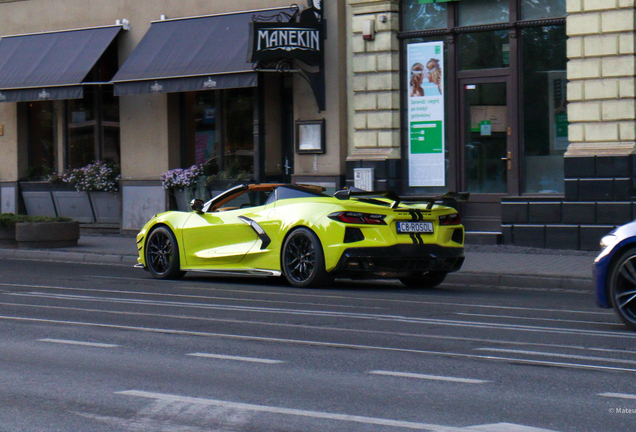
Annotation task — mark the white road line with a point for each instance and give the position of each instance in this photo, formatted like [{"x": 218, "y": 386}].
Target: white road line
[
  {"x": 237, "y": 358},
  {"x": 412, "y": 300},
  {"x": 71, "y": 342},
  {"x": 428, "y": 377},
  {"x": 537, "y": 319},
  {"x": 324, "y": 344},
  {"x": 548, "y": 354},
  {"x": 321, "y": 328},
  {"x": 279, "y": 410},
  {"x": 362, "y": 316},
  {"x": 618, "y": 395}
]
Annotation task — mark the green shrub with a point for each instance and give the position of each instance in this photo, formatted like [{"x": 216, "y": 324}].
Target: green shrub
[{"x": 8, "y": 220}]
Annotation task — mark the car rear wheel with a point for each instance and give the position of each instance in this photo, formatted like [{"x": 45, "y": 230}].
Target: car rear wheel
[
  {"x": 622, "y": 288},
  {"x": 162, "y": 254},
  {"x": 303, "y": 260},
  {"x": 426, "y": 280}
]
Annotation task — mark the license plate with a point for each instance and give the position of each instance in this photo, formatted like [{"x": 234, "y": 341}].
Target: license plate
[{"x": 415, "y": 227}]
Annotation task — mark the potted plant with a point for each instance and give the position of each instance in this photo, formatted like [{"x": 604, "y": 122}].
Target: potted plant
[
  {"x": 38, "y": 231},
  {"x": 185, "y": 184},
  {"x": 96, "y": 197}
]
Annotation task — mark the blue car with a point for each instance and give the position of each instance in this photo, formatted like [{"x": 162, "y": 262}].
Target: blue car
[{"x": 615, "y": 273}]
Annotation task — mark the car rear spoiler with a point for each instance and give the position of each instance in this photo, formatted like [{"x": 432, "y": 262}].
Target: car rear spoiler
[{"x": 397, "y": 200}]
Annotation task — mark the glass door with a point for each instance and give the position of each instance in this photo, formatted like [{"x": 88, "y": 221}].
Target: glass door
[{"x": 486, "y": 150}]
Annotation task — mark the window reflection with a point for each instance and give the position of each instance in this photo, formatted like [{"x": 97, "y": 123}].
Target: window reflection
[
  {"x": 478, "y": 12},
  {"x": 545, "y": 124},
  {"x": 218, "y": 130},
  {"x": 542, "y": 9},
  {"x": 81, "y": 130},
  {"x": 424, "y": 16},
  {"x": 484, "y": 50},
  {"x": 41, "y": 139}
]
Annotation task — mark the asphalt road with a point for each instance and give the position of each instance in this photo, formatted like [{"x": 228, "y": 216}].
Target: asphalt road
[{"x": 105, "y": 348}]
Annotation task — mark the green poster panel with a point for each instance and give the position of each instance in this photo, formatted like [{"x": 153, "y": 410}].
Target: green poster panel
[{"x": 426, "y": 137}]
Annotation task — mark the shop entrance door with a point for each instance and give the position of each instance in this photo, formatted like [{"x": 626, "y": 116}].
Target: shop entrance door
[{"x": 486, "y": 151}]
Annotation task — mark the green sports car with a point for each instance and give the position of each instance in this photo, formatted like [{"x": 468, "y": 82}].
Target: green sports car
[{"x": 299, "y": 232}]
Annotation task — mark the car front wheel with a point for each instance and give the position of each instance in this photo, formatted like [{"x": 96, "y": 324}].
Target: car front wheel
[
  {"x": 622, "y": 288},
  {"x": 303, "y": 260},
  {"x": 162, "y": 254},
  {"x": 426, "y": 280}
]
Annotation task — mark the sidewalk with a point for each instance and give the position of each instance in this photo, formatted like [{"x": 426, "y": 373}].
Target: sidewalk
[{"x": 506, "y": 266}]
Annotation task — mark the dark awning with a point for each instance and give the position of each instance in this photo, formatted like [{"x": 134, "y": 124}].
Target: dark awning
[
  {"x": 50, "y": 66},
  {"x": 189, "y": 54}
]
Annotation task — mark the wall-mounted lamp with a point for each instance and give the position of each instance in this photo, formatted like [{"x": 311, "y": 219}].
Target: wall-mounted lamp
[
  {"x": 383, "y": 19},
  {"x": 368, "y": 30},
  {"x": 124, "y": 23}
]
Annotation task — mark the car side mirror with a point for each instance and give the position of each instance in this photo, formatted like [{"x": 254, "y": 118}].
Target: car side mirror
[{"x": 197, "y": 205}]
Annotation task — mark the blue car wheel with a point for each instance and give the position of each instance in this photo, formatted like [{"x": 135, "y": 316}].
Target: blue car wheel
[{"x": 622, "y": 287}]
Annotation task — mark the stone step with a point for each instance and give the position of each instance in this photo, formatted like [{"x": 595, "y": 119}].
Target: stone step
[{"x": 483, "y": 237}]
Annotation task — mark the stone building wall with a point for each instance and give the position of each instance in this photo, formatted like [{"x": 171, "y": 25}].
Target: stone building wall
[{"x": 374, "y": 91}]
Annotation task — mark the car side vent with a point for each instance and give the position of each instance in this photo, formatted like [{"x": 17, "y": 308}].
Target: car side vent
[
  {"x": 458, "y": 235},
  {"x": 353, "y": 235}
]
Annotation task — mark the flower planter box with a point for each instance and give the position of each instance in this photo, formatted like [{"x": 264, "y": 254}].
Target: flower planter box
[
  {"x": 38, "y": 199},
  {"x": 106, "y": 207},
  {"x": 7, "y": 236},
  {"x": 75, "y": 205},
  {"x": 183, "y": 198},
  {"x": 47, "y": 234}
]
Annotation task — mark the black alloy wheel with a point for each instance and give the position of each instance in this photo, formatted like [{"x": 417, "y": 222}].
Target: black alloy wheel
[
  {"x": 424, "y": 281},
  {"x": 162, "y": 254},
  {"x": 303, "y": 261},
  {"x": 622, "y": 288}
]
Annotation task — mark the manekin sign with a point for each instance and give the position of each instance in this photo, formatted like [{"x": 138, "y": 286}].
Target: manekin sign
[
  {"x": 302, "y": 42},
  {"x": 300, "y": 38}
]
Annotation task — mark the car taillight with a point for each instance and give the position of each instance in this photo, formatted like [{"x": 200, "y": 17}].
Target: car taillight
[
  {"x": 451, "y": 219},
  {"x": 358, "y": 218}
]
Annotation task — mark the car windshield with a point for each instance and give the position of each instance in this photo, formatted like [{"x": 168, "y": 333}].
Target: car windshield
[
  {"x": 251, "y": 198},
  {"x": 289, "y": 192}
]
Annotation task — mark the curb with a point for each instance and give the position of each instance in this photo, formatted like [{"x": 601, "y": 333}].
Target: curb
[
  {"x": 460, "y": 278},
  {"x": 68, "y": 257},
  {"x": 522, "y": 281}
]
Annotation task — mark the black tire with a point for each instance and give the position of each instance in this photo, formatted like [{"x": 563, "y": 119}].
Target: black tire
[
  {"x": 426, "y": 280},
  {"x": 622, "y": 287},
  {"x": 162, "y": 254},
  {"x": 303, "y": 260}
]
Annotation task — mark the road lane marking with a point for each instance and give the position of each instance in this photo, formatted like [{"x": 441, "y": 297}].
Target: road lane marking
[
  {"x": 237, "y": 358},
  {"x": 362, "y": 316},
  {"x": 548, "y": 354},
  {"x": 321, "y": 328},
  {"x": 428, "y": 377},
  {"x": 618, "y": 395},
  {"x": 72, "y": 342},
  {"x": 323, "y": 344},
  {"x": 411, "y": 301},
  {"x": 536, "y": 319},
  {"x": 279, "y": 410}
]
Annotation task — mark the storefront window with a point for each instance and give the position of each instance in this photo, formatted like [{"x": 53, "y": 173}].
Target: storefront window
[
  {"x": 219, "y": 132},
  {"x": 81, "y": 139},
  {"x": 545, "y": 121},
  {"x": 110, "y": 124},
  {"x": 239, "y": 146},
  {"x": 542, "y": 9},
  {"x": 484, "y": 50},
  {"x": 418, "y": 16},
  {"x": 41, "y": 139},
  {"x": 205, "y": 125},
  {"x": 478, "y": 12}
]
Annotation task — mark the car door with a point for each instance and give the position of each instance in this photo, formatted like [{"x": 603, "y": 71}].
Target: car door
[{"x": 222, "y": 238}]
